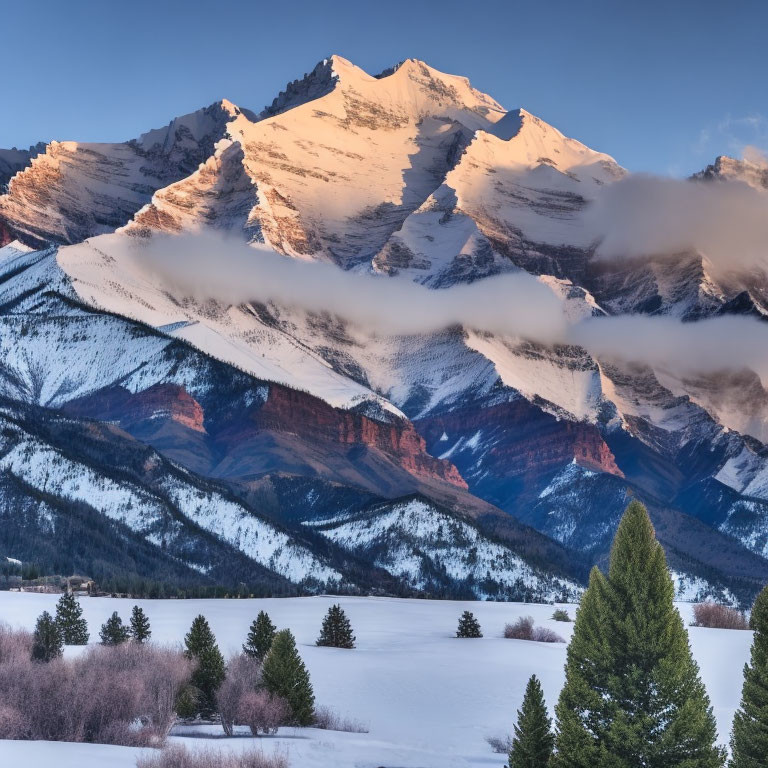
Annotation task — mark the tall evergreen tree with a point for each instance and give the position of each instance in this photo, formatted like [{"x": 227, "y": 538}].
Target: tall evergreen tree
[
  {"x": 632, "y": 693},
  {"x": 749, "y": 739},
  {"x": 113, "y": 631},
  {"x": 69, "y": 617},
  {"x": 284, "y": 674},
  {"x": 48, "y": 643},
  {"x": 336, "y": 631},
  {"x": 469, "y": 626},
  {"x": 211, "y": 670},
  {"x": 140, "y": 630},
  {"x": 533, "y": 742},
  {"x": 260, "y": 637}
]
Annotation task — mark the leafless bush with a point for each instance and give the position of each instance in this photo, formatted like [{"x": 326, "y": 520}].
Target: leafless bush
[
  {"x": 179, "y": 757},
  {"x": 112, "y": 695},
  {"x": 15, "y": 645},
  {"x": 12, "y": 725},
  {"x": 329, "y": 720},
  {"x": 718, "y": 616},
  {"x": 546, "y": 635},
  {"x": 501, "y": 745},
  {"x": 263, "y": 712},
  {"x": 522, "y": 629},
  {"x": 243, "y": 676}
]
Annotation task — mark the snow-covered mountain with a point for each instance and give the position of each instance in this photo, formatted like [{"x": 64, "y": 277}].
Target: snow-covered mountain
[{"x": 307, "y": 419}]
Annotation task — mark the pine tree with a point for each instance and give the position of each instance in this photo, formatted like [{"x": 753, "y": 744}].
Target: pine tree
[
  {"x": 469, "y": 626},
  {"x": 632, "y": 693},
  {"x": 749, "y": 739},
  {"x": 140, "y": 630},
  {"x": 48, "y": 643},
  {"x": 211, "y": 670},
  {"x": 336, "y": 631},
  {"x": 533, "y": 742},
  {"x": 113, "y": 631},
  {"x": 260, "y": 637},
  {"x": 285, "y": 675},
  {"x": 69, "y": 617}
]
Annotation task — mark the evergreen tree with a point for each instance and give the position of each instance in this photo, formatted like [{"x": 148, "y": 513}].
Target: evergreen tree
[
  {"x": 113, "y": 631},
  {"x": 632, "y": 693},
  {"x": 211, "y": 670},
  {"x": 336, "y": 631},
  {"x": 48, "y": 643},
  {"x": 140, "y": 630},
  {"x": 260, "y": 637},
  {"x": 284, "y": 674},
  {"x": 469, "y": 626},
  {"x": 749, "y": 739},
  {"x": 69, "y": 617},
  {"x": 534, "y": 740}
]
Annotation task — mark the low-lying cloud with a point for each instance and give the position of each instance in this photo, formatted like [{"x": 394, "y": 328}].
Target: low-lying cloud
[
  {"x": 726, "y": 221},
  {"x": 205, "y": 266}
]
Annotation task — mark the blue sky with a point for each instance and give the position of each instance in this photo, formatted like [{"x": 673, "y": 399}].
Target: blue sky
[{"x": 662, "y": 86}]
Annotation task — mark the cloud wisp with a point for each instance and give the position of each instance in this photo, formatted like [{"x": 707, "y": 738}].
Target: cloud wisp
[{"x": 207, "y": 266}]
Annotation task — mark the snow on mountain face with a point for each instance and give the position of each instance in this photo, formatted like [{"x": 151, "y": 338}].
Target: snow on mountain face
[
  {"x": 311, "y": 162},
  {"x": 14, "y": 160},
  {"x": 729, "y": 169},
  {"x": 76, "y": 190},
  {"x": 431, "y": 549}
]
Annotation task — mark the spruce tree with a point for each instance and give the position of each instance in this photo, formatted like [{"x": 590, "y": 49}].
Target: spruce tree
[
  {"x": 113, "y": 631},
  {"x": 632, "y": 693},
  {"x": 533, "y": 742},
  {"x": 469, "y": 626},
  {"x": 69, "y": 617},
  {"x": 749, "y": 739},
  {"x": 140, "y": 631},
  {"x": 210, "y": 671},
  {"x": 336, "y": 631},
  {"x": 285, "y": 675},
  {"x": 260, "y": 637},
  {"x": 48, "y": 643}
]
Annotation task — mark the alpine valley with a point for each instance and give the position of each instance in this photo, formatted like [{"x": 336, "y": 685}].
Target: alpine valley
[{"x": 151, "y": 440}]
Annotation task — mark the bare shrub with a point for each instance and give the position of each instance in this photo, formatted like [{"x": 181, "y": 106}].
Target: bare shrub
[
  {"x": 329, "y": 720},
  {"x": 15, "y": 645},
  {"x": 12, "y": 725},
  {"x": 179, "y": 757},
  {"x": 522, "y": 629},
  {"x": 718, "y": 616},
  {"x": 263, "y": 712},
  {"x": 501, "y": 745},
  {"x": 111, "y": 695},
  {"x": 546, "y": 635},
  {"x": 243, "y": 676}
]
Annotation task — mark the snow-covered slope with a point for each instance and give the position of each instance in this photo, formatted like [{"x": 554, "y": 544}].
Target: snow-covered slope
[{"x": 436, "y": 551}]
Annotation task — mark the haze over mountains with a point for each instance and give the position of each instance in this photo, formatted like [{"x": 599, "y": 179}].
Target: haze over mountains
[{"x": 454, "y": 386}]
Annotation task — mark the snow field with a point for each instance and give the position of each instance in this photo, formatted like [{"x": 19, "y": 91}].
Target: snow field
[{"x": 428, "y": 698}]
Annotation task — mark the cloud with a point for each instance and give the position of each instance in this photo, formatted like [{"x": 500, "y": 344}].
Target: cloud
[
  {"x": 644, "y": 215},
  {"x": 206, "y": 266}
]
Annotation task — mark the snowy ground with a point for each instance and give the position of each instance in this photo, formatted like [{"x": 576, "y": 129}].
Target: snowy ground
[{"x": 428, "y": 699}]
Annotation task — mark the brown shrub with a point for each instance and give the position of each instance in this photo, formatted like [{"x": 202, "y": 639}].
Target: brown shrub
[
  {"x": 243, "y": 676},
  {"x": 178, "y": 757},
  {"x": 546, "y": 635},
  {"x": 522, "y": 629},
  {"x": 718, "y": 616},
  {"x": 111, "y": 695},
  {"x": 263, "y": 712},
  {"x": 329, "y": 720}
]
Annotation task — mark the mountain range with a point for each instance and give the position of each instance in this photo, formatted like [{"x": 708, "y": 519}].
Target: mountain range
[{"x": 153, "y": 436}]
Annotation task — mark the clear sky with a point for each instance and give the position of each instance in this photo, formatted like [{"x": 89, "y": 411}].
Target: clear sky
[{"x": 663, "y": 86}]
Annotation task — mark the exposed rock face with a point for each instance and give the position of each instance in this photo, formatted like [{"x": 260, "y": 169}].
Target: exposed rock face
[
  {"x": 74, "y": 191},
  {"x": 509, "y": 447},
  {"x": 287, "y": 430},
  {"x": 729, "y": 169}
]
